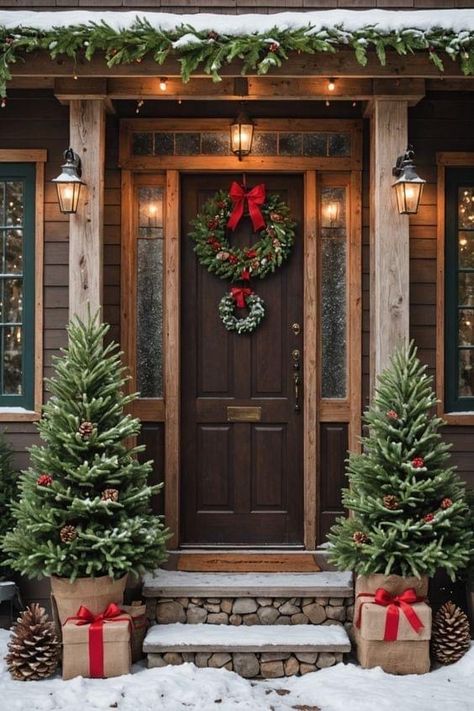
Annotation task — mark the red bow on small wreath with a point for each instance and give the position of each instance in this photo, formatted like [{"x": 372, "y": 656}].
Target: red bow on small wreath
[
  {"x": 239, "y": 294},
  {"x": 394, "y": 603},
  {"x": 255, "y": 198},
  {"x": 96, "y": 633}
]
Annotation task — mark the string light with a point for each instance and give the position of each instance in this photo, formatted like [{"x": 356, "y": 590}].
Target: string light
[
  {"x": 354, "y": 104},
  {"x": 4, "y": 103},
  {"x": 139, "y": 106},
  {"x": 331, "y": 84},
  {"x": 163, "y": 83},
  {"x": 328, "y": 103}
]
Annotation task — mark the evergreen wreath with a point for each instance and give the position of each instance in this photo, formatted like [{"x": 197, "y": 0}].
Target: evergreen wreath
[
  {"x": 247, "y": 324},
  {"x": 208, "y": 50},
  {"x": 215, "y": 252}
]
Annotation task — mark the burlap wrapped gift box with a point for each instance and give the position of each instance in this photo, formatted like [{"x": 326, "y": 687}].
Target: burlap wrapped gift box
[
  {"x": 137, "y": 612},
  {"x": 410, "y": 652},
  {"x": 116, "y": 648}
]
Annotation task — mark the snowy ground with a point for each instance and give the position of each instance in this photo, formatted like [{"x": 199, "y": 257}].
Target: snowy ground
[{"x": 184, "y": 688}]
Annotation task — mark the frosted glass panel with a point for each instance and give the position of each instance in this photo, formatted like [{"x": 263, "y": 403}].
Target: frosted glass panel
[
  {"x": 149, "y": 336},
  {"x": 333, "y": 210}
]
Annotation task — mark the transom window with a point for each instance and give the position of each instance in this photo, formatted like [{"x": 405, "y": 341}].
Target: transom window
[
  {"x": 459, "y": 374},
  {"x": 17, "y": 290}
]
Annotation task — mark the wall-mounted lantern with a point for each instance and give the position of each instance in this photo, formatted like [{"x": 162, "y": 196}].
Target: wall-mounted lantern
[
  {"x": 409, "y": 185},
  {"x": 241, "y": 135},
  {"x": 69, "y": 183}
]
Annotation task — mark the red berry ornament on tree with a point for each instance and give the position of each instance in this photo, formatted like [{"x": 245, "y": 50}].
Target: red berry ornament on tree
[
  {"x": 418, "y": 463},
  {"x": 274, "y": 47},
  {"x": 44, "y": 480},
  {"x": 446, "y": 503},
  {"x": 428, "y": 518},
  {"x": 392, "y": 415}
]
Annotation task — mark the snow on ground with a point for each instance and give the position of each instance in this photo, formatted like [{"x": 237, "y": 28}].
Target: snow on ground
[{"x": 185, "y": 688}]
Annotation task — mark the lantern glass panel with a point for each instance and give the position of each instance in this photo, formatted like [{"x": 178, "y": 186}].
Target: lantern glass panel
[
  {"x": 408, "y": 197},
  {"x": 68, "y": 195},
  {"x": 241, "y": 137}
]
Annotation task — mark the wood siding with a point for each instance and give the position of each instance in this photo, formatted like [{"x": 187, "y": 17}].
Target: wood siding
[{"x": 233, "y": 6}]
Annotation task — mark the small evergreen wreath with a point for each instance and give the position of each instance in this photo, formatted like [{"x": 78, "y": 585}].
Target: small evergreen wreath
[
  {"x": 256, "y": 307},
  {"x": 269, "y": 251}
]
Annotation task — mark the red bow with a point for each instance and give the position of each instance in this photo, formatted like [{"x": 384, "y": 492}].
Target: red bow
[
  {"x": 239, "y": 294},
  {"x": 255, "y": 198},
  {"x": 96, "y": 633},
  {"x": 393, "y": 603}
]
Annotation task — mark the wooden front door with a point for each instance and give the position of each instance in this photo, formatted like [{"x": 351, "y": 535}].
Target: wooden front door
[{"x": 241, "y": 482}]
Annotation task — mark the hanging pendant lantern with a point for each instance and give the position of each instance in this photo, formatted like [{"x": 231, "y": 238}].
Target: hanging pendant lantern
[
  {"x": 69, "y": 183},
  {"x": 241, "y": 135},
  {"x": 409, "y": 185}
]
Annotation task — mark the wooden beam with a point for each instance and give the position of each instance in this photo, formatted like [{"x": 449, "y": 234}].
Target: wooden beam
[
  {"x": 340, "y": 64},
  {"x": 87, "y": 138},
  {"x": 389, "y": 235}
]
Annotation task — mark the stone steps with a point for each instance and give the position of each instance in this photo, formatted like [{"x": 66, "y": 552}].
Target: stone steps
[
  {"x": 322, "y": 598},
  {"x": 268, "y": 651}
]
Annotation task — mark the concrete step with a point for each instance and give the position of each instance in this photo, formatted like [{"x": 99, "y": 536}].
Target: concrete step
[
  {"x": 268, "y": 651},
  {"x": 171, "y": 583}
]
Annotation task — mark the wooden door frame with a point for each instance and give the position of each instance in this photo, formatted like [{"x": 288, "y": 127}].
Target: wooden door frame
[{"x": 167, "y": 410}]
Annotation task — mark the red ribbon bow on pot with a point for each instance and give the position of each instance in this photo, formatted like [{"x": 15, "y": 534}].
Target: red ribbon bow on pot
[
  {"x": 96, "y": 633},
  {"x": 239, "y": 294},
  {"x": 255, "y": 198},
  {"x": 395, "y": 603}
]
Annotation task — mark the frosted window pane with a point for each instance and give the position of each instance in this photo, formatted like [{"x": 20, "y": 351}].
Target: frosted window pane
[
  {"x": 466, "y": 373},
  {"x": 333, "y": 293},
  {"x": 150, "y": 293}
]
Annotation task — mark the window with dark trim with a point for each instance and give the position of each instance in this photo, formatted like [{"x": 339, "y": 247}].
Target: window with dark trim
[
  {"x": 17, "y": 284},
  {"x": 459, "y": 290}
]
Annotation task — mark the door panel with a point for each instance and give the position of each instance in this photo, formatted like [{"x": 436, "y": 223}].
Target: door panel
[{"x": 241, "y": 482}]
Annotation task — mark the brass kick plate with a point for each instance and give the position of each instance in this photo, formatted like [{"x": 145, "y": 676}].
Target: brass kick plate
[{"x": 244, "y": 414}]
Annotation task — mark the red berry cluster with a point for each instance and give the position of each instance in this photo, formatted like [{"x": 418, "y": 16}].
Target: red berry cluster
[
  {"x": 418, "y": 463},
  {"x": 428, "y": 518},
  {"x": 392, "y": 415},
  {"x": 446, "y": 503},
  {"x": 44, "y": 480}
]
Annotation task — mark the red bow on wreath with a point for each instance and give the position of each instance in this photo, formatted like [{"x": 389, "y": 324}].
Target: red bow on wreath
[
  {"x": 255, "y": 198},
  {"x": 239, "y": 294}
]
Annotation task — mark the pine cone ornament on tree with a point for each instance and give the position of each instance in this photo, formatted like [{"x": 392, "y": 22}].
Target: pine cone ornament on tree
[
  {"x": 68, "y": 533},
  {"x": 359, "y": 537},
  {"x": 85, "y": 429},
  {"x": 451, "y": 636},
  {"x": 110, "y": 495},
  {"x": 390, "y": 502},
  {"x": 33, "y": 649}
]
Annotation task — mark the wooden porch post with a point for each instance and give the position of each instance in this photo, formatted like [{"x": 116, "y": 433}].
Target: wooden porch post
[
  {"x": 87, "y": 138},
  {"x": 389, "y": 235}
]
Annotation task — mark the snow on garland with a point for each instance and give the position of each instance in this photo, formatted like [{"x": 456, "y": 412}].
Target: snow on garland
[
  {"x": 214, "y": 250},
  {"x": 253, "y": 302},
  {"x": 208, "y": 42}
]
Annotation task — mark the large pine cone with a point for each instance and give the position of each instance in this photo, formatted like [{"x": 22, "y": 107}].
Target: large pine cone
[
  {"x": 33, "y": 650},
  {"x": 451, "y": 636}
]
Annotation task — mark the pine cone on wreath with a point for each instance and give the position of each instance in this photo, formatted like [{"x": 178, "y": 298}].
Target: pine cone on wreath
[
  {"x": 451, "y": 635},
  {"x": 33, "y": 649},
  {"x": 85, "y": 429},
  {"x": 68, "y": 533}
]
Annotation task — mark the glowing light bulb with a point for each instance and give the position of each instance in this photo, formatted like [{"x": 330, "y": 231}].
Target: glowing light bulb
[
  {"x": 331, "y": 84},
  {"x": 462, "y": 241},
  {"x": 163, "y": 84}
]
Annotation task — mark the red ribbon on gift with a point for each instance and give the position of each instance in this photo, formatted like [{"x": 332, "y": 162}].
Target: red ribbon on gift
[
  {"x": 96, "y": 633},
  {"x": 239, "y": 294},
  {"x": 394, "y": 603},
  {"x": 255, "y": 198}
]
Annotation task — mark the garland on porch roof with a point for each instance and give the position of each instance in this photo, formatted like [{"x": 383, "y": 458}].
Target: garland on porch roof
[{"x": 125, "y": 38}]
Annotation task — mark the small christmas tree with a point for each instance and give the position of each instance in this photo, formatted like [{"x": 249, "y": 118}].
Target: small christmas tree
[
  {"x": 409, "y": 511},
  {"x": 85, "y": 503}
]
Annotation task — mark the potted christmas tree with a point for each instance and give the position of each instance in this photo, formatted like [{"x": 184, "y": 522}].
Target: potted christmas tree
[
  {"x": 409, "y": 515},
  {"x": 84, "y": 517}
]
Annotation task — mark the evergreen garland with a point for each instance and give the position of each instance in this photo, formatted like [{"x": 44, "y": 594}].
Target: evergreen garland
[{"x": 208, "y": 51}]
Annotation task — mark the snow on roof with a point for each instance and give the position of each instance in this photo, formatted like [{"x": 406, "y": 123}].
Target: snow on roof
[{"x": 385, "y": 21}]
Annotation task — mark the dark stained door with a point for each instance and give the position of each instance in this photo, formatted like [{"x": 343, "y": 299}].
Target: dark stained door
[{"x": 241, "y": 482}]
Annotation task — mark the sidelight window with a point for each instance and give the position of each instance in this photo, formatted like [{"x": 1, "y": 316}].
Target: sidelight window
[{"x": 459, "y": 276}]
